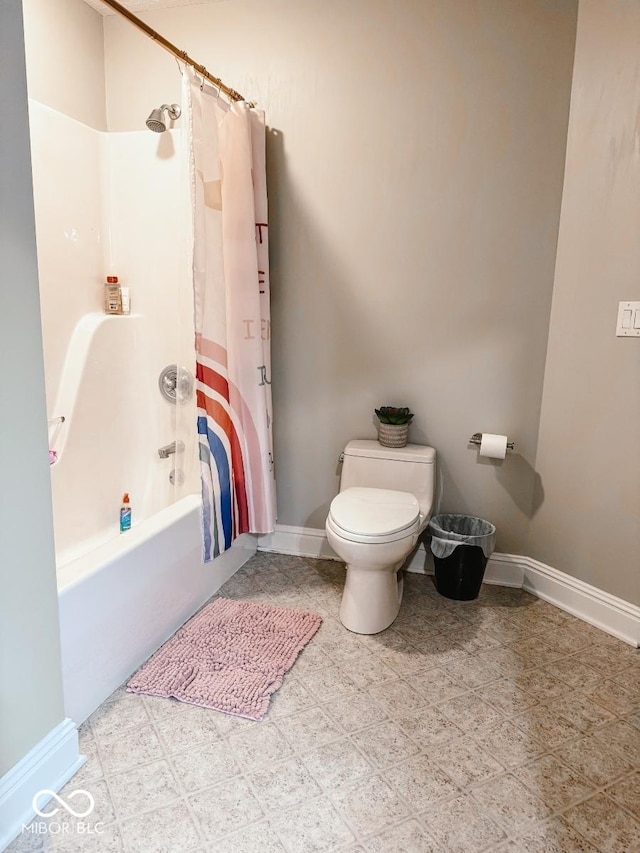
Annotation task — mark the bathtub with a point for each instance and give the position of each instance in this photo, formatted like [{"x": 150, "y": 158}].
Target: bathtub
[
  {"x": 121, "y": 601},
  {"x": 120, "y": 595}
]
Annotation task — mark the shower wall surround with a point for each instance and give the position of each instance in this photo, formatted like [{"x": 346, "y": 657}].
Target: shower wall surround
[
  {"x": 68, "y": 160},
  {"x": 111, "y": 203}
]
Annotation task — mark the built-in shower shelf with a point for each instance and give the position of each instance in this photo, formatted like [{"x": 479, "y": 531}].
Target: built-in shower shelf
[{"x": 81, "y": 344}]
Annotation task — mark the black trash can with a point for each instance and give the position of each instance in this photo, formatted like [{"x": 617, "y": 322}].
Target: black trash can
[{"x": 461, "y": 546}]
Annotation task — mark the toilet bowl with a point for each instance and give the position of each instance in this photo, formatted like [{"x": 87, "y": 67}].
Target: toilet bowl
[{"x": 373, "y": 525}]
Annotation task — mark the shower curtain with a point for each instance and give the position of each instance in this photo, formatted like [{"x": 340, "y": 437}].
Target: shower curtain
[{"x": 232, "y": 317}]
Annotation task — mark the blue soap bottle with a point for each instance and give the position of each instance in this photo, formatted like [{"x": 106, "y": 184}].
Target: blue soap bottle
[{"x": 125, "y": 514}]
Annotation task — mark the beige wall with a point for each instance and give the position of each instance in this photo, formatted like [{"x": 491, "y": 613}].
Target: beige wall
[
  {"x": 31, "y": 692},
  {"x": 415, "y": 175},
  {"x": 589, "y": 454},
  {"x": 65, "y": 55}
]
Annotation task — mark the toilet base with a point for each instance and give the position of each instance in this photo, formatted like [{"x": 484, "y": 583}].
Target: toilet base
[{"x": 371, "y": 599}]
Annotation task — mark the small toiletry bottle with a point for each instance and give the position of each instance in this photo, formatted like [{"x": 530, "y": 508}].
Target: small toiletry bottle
[
  {"x": 125, "y": 300},
  {"x": 125, "y": 514},
  {"x": 112, "y": 297}
]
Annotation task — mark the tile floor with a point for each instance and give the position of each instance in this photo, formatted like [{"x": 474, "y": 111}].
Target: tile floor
[{"x": 502, "y": 724}]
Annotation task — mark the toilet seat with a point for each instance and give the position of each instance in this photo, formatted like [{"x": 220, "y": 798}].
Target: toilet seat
[{"x": 374, "y": 516}]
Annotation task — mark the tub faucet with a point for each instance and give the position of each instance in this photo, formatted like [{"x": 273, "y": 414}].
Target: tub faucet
[{"x": 166, "y": 451}]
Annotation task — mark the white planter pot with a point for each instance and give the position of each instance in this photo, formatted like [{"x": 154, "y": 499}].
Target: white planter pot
[{"x": 393, "y": 435}]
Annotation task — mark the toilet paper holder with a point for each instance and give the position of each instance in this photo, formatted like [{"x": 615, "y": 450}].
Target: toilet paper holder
[{"x": 476, "y": 439}]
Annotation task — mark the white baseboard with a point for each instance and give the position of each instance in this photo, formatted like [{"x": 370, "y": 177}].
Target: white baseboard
[
  {"x": 298, "y": 541},
  {"x": 49, "y": 765},
  {"x": 601, "y": 609},
  {"x": 505, "y": 570},
  {"x": 592, "y": 605}
]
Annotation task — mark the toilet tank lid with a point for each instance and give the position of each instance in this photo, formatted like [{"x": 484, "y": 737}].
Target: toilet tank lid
[{"x": 374, "y": 450}]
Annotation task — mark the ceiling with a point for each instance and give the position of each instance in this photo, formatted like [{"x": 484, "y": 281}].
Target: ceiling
[{"x": 146, "y": 5}]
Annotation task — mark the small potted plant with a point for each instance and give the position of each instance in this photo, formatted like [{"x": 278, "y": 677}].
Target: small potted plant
[{"x": 393, "y": 426}]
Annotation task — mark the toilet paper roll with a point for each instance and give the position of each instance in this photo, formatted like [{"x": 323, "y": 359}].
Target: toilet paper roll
[{"x": 493, "y": 446}]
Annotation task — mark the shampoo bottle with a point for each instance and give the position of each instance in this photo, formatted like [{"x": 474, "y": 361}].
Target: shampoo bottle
[
  {"x": 125, "y": 514},
  {"x": 112, "y": 301}
]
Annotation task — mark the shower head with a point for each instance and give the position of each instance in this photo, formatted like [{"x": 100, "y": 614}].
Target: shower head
[{"x": 156, "y": 121}]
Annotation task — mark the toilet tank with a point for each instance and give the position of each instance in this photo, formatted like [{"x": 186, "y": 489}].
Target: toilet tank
[{"x": 404, "y": 469}]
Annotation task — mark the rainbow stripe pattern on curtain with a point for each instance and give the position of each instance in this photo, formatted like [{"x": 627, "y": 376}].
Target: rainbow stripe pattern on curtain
[{"x": 232, "y": 318}]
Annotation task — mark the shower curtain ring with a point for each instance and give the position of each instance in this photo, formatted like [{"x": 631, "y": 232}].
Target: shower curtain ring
[
  {"x": 179, "y": 66},
  {"x": 204, "y": 70}
]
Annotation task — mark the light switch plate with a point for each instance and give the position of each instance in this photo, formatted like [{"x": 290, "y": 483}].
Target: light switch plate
[{"x": 628, "y": 320}]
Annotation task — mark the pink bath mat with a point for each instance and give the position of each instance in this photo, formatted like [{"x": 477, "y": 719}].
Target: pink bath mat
[{"x": 230, "y": 657}]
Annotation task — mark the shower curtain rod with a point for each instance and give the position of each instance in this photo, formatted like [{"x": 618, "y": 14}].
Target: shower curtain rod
[{"x": 182, "y": 55}]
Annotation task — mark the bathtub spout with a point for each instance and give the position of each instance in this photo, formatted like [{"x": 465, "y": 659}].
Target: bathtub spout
[{"x": 166, "y": 451}]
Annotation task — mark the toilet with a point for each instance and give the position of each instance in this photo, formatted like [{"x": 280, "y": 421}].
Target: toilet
[{"x": 384, "y": 504}]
